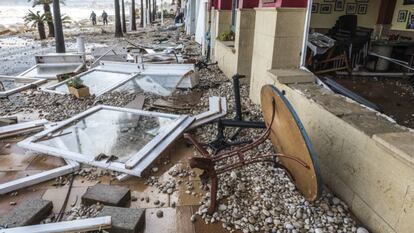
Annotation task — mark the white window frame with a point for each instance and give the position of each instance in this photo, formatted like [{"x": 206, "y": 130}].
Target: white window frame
[
  {"x": 217, "y": 109},
  {"x": 137, "y": 163},
  {"x": 188, "y": 71},
  {"x": 30, "y": 83},
  {"x": 80, "y": 225},
  {"x": 25, "y": 73},
  {"x": 39, "y": 177},
  {"x": 22, "y": 128},
  {"x": 121, "y": 81},
  {"x": 306, "y": 35}
]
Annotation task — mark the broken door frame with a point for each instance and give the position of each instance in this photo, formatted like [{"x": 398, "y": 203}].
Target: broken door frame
[
  {"x": 137, "y": 163},
  {"x": 31, "y": 83},
  {"x": 122, "y": 81}
]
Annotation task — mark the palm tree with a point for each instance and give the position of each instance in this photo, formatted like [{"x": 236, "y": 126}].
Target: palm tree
[
  {"x": 36, "y": 20},
  {"x": 141, "y": 24},
  {"x": 118, "y": 27},
  {"x": 123, "y": 16},
  {"x": 47, "y": 11},
  {"x": 149, "y": 11},
  {"x": 154, "y": 10},
  {"x": 59, "y": 38},
  {"x": 133, "y": 17}
]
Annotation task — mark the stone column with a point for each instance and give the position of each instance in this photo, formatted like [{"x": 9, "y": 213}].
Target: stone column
[{"x": 278, "y": 38}]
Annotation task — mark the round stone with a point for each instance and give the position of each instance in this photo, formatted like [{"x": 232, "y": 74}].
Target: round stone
[
  {"x": 362, "y": 230},
  {"x": 160, "y": 214}
]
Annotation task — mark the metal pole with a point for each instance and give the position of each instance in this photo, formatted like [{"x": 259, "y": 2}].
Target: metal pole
[
  {"x": 237, "y": 101},
  {"x": 59, "y": 38},
  {"x": 233, "y": 15}
]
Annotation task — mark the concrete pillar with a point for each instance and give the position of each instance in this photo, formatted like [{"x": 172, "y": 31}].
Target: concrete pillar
[
  {"x": 278, "y": 37},
  {"x": 191, "y": 17},
  {"x": 213, "y": 35},
  {"x": 223, "y": 21},
  {"x": 245, "y": 23}
]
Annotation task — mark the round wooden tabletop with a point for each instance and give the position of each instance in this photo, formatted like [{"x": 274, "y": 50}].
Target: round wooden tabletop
[{"x": 289, "y": 137}]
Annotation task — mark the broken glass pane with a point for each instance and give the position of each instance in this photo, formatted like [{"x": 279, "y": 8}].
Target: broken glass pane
[
  {"x": 97, "y": 81},
  {"x": 51, "y": 70},
  {"x": 163, "y": 85},
  {"x": 110, "y": 132},
  {"x": 6, "y": 85}
]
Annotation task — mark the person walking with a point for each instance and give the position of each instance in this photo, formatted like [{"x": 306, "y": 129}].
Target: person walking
[
  {"x": 105, "y": 18},
  {"x": 93, "y": 18}
]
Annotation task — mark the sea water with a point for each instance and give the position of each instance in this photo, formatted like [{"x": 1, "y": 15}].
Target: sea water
[{"x": 13, "y": 11}]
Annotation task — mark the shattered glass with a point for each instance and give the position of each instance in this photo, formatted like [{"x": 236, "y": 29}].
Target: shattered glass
[
  {"x": 110, "y": 132},
  {"x": 6, "y": 85},
  {"x": 163, "y": 85},
  {"x": 97, "y": 81}
]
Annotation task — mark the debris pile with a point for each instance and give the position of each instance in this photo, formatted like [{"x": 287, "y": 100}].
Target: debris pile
[
  {"x": 253, "y": 198},
  {"x": 262, "y": 198}
]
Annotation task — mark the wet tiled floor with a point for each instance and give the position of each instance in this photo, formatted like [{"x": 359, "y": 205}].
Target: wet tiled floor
[{"x": 16, "y": 163}]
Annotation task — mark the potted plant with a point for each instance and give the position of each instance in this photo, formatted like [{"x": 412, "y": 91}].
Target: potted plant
[{"x": 77, "y": 88}]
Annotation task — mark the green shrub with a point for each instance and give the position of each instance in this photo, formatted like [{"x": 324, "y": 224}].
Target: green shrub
[
  {"x": 76, "y": 83},
  {"x": 226, "y": 36}
]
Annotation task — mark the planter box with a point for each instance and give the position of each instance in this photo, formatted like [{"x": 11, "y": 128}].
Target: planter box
[{"x": 79, "y": 93}]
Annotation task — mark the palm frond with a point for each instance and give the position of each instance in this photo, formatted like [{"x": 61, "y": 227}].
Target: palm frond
[
  {"x": 42, "y": 2},
  {"x": 33, "y": 19}
]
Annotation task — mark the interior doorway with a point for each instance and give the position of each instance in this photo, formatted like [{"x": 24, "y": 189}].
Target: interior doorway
[{"x": 365, "y": 51}]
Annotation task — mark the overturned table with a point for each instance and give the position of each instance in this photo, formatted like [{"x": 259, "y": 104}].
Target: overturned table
[{"x": 294, "y": 150}]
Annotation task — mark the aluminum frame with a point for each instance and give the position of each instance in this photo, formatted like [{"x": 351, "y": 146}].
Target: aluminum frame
[
  {"x": 143, "y": 158},
  {"x": 50, "y": 76},
  {"x": 31, "y": 83},
  {"x": 122, "y": 81},
  {"x": 80, "y": 225},
  {"x": 21, "y": 128},
  {"x": 188, "y": 71},
  {"x": 61, "y": 58},
  {"x": 39, "y": 178},
  {"x": 217, "y": 109}
]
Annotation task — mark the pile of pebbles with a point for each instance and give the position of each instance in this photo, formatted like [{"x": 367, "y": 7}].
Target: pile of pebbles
[
  {"x": 56, "y": 107},
  {"x": 94, "y": 173},
  {"x": 260, "y": 197},
  {"x": 83, "y": 212}
]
